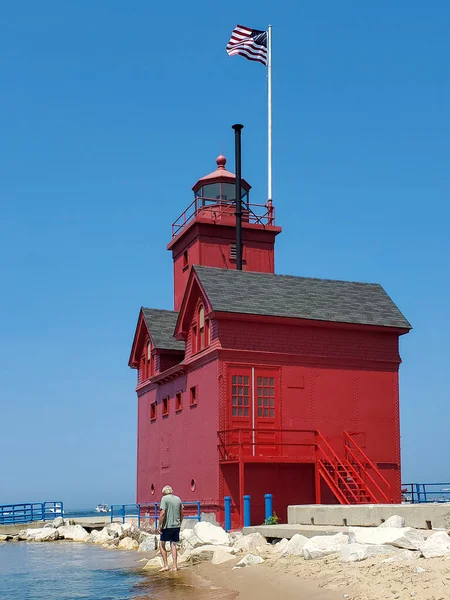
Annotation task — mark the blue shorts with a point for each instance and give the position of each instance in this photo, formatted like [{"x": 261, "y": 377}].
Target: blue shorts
[{"x": 171, "y": 534}]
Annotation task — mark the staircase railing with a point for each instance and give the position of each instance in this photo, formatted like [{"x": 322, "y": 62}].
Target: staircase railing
[
  {"x": 342, "y": 473},
  {"x": 356, "y": 456}
]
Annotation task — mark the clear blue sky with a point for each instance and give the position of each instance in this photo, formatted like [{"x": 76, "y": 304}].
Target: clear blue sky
[{"x": 109, "y": 113}]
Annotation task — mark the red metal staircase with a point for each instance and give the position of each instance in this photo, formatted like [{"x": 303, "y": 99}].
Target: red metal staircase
[{"x": 353, "y": 479}]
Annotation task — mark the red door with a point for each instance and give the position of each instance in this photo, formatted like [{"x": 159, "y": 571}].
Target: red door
[
  {"x": 267, "y": 412},
  {"x": 254, "y": 409},
  {"x": 240, "y": 409}
]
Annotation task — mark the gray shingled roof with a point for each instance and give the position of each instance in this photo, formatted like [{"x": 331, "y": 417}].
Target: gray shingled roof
[
  {"x": 161, "y": 325},
  {"x": 300, "y": 297}
]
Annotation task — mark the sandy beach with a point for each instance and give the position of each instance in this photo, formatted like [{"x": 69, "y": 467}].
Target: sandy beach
[
  {"x": 329, "y": 579},
  {"x": 264, "y": 581}
]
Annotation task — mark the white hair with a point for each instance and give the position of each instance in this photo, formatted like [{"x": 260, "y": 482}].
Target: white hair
[{"x": 167, "y": 490}]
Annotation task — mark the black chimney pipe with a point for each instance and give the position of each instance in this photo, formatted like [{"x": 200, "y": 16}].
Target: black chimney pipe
[{"x": 237, "y": 145}]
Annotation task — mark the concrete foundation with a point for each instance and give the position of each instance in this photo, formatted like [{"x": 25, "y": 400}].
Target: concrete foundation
[{"x": 420, "y": 516}]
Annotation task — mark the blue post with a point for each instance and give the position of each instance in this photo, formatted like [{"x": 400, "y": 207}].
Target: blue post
[
  {"x": 227, "y": 505},
  {"x": 123, "y": 513},
  {"x": 199, "y": 514},
  {"x": 139, "y": 515},
  {"x": 112, "y": 512},
  {"x": 43, "y": 511},
  {"x": 247, "y": 511},
  {"x": 268, "y": 505}
]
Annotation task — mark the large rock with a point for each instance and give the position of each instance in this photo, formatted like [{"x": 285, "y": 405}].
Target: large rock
[
  {"x": 127, "y": 543},
  {"x": 58, "y": 522},
  {"x": 47, "y": 535},
  {"x": 438, "y": 544},
  {"x": 132, "y": 531},
  {"x": 206, "y": 552},
  {"x": 254, "y": 542},
  {"x": 280, "y": 547},
  {"x": 210, "y": 534},
  {"x": 221, "y": 555},
  {"x": 148, "y": 544},
  {"x": 249, "y": 560},
  {"x": 3, "y": 538},
  {"x": 189, "y": 540},
  {"x": 401, "y": 537},
  {"x": 403, "y": 556},
  {"x": 41, "y": 534},
  {"x": 394, "y": 521},
  {"x": 295, "y": 545},
  {"x": 102, "y": 537},
  {"x": 323, "y": 545},
  {"x": 116, "y": 529},
  {"x": 75, "y": 533},
  {"x": 357, "y": 552}
]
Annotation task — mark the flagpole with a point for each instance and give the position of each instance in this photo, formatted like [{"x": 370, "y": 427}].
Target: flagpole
[{"x": 269, "y": 112}]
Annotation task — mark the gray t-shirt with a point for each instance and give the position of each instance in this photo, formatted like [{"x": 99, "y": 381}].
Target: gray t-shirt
[{"x": 172, "y": 505}]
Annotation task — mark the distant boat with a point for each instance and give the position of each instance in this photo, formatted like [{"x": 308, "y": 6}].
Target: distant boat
[
  {"x": 56, "y": 509},
  {"x": 102, "y": 508}
]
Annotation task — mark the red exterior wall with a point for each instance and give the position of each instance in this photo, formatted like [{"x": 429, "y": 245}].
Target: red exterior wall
[
  {"x": 332, "y": 380},
  {"x": 209, "y": 245},
  {"x": 182, "y": 446}
]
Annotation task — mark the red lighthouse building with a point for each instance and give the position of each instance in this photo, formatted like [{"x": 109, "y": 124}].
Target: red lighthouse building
[{"x": 262, "y": 383}]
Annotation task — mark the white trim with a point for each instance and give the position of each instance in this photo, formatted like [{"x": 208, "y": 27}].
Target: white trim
[{"x": 253, "y": 411}]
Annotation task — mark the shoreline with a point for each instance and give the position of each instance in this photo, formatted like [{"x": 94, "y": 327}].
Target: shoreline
[{"x": 262, "y": 581}]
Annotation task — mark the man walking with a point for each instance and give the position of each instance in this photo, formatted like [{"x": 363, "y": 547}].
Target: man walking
[{"x": 170, "y": 519}]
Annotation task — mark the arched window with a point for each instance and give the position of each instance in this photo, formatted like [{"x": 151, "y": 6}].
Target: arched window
[
  {"x": 200, "y": 331},
  {"x": 201, "y": 327}
]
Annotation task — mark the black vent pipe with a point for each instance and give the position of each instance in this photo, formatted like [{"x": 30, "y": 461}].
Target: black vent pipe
[{"x": 237, "y": 145}]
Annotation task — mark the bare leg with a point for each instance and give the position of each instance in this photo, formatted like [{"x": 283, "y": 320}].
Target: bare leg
[
  {"x": 162, "y": 549},
  {"x": 174, "y": 549}
]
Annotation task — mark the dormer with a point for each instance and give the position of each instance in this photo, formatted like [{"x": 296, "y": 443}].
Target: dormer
[{"x": 154, "y": 348}]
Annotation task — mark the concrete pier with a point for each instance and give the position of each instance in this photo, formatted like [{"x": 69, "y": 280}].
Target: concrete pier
[{"x": 421, "y": 516}]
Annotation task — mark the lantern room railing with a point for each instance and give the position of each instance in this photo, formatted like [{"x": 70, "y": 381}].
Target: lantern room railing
[{"x": 216, "y": 210}]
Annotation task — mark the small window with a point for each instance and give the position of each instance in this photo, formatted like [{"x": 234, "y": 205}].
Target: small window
[
  {"x": 152, "y": 411},
  {"x": 165, "y": 406},
  {"x": 233, "y": 251},
  {"x": 185, "y": 259},
  {"x": 193, "y": 396},
  {"x": 178, "y": 401}
]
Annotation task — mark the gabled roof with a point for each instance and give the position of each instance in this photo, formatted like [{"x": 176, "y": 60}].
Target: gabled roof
[
  {"x": 161, "y": 326},
  {"x": 299, "y": 297}
]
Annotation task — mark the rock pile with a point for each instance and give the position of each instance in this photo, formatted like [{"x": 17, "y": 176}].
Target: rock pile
[{"x": 209, "y": 542}]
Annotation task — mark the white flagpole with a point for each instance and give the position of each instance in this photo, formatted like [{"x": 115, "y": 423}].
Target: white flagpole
[{"x": 269, "y": 112}]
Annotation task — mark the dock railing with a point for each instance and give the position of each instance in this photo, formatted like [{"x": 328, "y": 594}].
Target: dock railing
[
  {"x": 27, "y": 512},
  {"x": 421, "y": 493},
  {"x": 149, "y": 512}
]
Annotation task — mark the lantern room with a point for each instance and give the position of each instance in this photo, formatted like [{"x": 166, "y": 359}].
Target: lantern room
[{"x": 205, "y": 233}]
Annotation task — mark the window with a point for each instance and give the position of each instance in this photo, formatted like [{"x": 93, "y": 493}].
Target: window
[
  {"x": 193, "y": 396},
  {"x": 185, "y": 259},
  {"x": 200, "y": 331},
  {"x": 266, "y": 397},
  {"x": 178, "y": 401},
  {"x": 152, "y": 411},
  {"x": 240, "y": 396},
  {"x": 201, "y": 327},
  {"x": 165, "y": 406},
  {"x": 233, "y": 251}
]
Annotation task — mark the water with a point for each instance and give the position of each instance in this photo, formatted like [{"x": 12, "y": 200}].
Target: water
[{"x": 71, "y": 571}]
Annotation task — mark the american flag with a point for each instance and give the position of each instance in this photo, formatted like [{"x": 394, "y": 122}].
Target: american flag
[{"x": 250, "y": 43}]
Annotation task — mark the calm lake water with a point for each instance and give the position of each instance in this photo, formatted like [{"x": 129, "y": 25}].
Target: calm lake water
[{"x": 69, "y": 571}]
